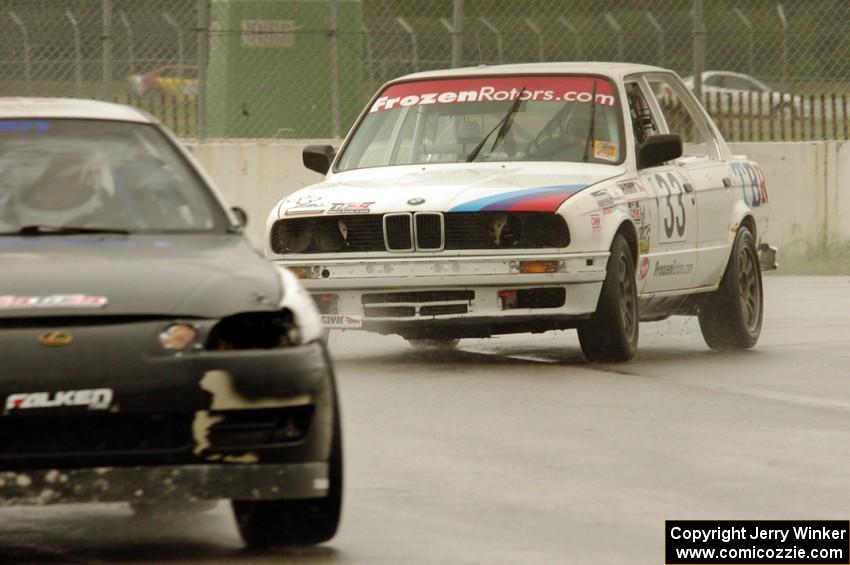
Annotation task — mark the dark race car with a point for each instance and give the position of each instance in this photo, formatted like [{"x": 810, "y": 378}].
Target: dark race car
[{"x": 149, "y": 354}]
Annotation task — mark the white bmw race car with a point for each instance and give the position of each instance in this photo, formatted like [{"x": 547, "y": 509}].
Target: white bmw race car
[{"x": 527, "y": 198}]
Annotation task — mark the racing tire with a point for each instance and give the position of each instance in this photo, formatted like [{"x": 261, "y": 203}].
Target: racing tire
[
  {"x": 611, "y": 334},
  {"x": 446, "y": 343},
  {"x": 730, "y": 318},
  {"x": 276, "y": 523}
]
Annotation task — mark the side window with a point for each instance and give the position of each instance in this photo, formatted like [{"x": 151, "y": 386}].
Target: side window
[
  {"x": 643, "y": 124},
  {"x": 682, "y": 118}
]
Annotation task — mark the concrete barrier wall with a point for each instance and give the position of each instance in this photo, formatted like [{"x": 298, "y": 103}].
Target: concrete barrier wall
[{"x": 808, "y": 184}]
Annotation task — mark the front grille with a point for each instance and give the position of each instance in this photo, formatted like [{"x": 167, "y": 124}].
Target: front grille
[
  {"x": 517, "y": 230},
  {"x": 443, "y": 309},
  {"x": 389, "y": 311},
  {"x": 94, "y": 433},
  {"x": 412, "y": 304},
  {"x": 429, "y": 231},
  {"x": 423, "y": 231},
  {"x": 398, "y": 232},
  {"x": 418, "y": 296}
]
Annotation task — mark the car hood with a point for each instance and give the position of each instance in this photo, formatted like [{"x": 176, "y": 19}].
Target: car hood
[
  {"x": 188, "y": 275},
  {"x": 530, "y": 187}
]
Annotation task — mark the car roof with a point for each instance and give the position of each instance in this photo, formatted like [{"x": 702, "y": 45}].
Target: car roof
[
  {"x": 610, "y": 69},
  {"x": 27, "y": 107}
]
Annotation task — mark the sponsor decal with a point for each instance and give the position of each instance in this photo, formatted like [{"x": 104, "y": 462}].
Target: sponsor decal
[
  {"x": 13, "y": 302},
  {"x": 92, "y": 398},
  {"x": 350, "y": 208},
  {"x": 644, "y": 228},
  {"x": 673, "y": 269},
  {"x": 342, "y": 321},
  {"x": 608, "y": 210},
  {"x": 23, "y": 126},
  {"x": 603, "y": 198},
  {"x": 495, "y": 89},
  {"x": 540, "y": 199},
  {"x": 55, "y": 338},
  {"x": 632, "y": 187},
  {"x": 643, "y": 237},
  {"x": 753, "y": 186},
  {"x": 596, "y": 223},
  {"x": 644, "y": 268},
  {"x": 606, "y": 150},
  {"x": 635, "y": 213},
  {"x": 308, "y": 204}
]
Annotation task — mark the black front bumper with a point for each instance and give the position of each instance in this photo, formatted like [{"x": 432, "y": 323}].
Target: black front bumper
[
  {"x": 172, "y": 484},
  {"x": 207, "y": 424}
]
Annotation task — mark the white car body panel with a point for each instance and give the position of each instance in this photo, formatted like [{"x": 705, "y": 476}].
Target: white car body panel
[{"x": 598, "y": 202}]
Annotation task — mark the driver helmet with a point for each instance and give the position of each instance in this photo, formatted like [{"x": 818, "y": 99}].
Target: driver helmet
[{"x": 69, "y": 187}]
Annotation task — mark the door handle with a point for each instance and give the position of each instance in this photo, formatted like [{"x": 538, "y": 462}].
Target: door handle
[
  {"x": 689, "y": 188},
  {"x": 727, "y": 182}
]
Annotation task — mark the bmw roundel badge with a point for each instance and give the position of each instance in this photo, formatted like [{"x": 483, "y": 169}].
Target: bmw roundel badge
[{"x": 416, "y": 201}]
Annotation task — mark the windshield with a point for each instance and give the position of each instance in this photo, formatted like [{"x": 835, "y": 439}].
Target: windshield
[
  {"x": 97, "y": 174},
  {"x": 560, "y": 118}
]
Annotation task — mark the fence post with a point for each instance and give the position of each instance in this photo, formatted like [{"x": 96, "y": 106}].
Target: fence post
[
  {"x": 495, "y": 31},
  {"x": 334, "y": 64},
  {"x": 414, "y": 45},
  {"x": 574, "y": 31},
  {"x": 781, "y": 13},
  {"x": 750, "y": 53},
  {"x": 203, "y": 66},
  {"x": 457, "y": 33},
  {"x": 618, "y": 30},
  {"x": 541, "y": 55},
  {"x": 106, "y": 50},
  {"x": 78, "y": 54},
  {"x": 698, "y": 33},
  {"x": 660, "y": 39},
  {"x": 131, "y": 57},
  {"x": 25, "y": 39},
  {"x": 172, "y": 23}
]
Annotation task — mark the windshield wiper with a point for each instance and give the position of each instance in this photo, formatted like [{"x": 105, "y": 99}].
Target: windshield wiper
[
  {"x": 592, "y": 124},
  {"x": 503, "y": 126},
  {"x": 38, "y": 229}
]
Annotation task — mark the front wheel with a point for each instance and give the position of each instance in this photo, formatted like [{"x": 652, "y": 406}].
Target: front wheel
[
  {"x": 731, "y": 316},
  {"x": 269, "y": 523},
  {"x": 611, "y": 334}
]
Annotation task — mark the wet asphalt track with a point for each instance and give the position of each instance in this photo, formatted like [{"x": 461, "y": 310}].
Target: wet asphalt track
[{"x": 515, "y": 450}]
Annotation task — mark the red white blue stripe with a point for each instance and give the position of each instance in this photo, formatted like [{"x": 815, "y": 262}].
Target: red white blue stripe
[{"x": 540, "y": 199}]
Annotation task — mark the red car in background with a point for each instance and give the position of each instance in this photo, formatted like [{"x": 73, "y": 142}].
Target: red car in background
[{"x": 170, "y": 80}]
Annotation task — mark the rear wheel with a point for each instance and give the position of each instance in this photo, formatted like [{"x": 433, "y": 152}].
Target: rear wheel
[
  {"x": 611, "y": 334},
  {"x": 268, "y": 523},
  {"x": 731, "y": 316}
]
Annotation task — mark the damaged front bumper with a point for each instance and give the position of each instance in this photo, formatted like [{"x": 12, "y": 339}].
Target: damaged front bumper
[
  {"x": 178, "y": 483},
  {"x": 243, "y": 424}
]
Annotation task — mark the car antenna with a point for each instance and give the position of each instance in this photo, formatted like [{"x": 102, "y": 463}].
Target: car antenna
[{"x": 592, "y": 123}]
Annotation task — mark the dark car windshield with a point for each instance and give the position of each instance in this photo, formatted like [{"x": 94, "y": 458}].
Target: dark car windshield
[
  {"x": 100, "y": 175},
  {"x": 559, "y": 118}
]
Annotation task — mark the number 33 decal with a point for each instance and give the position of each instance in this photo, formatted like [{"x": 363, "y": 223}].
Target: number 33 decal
[{"x": 674, "y": 218}]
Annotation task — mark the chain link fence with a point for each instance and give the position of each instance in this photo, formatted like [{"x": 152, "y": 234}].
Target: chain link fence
[{"x": 304, "y": 68}]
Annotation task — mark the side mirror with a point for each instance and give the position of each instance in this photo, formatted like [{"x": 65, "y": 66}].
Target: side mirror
[
  {"x": 241, "y": 216},
  {"x": 658, "y": 149},
  {"x": 318, "y": 158}
]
